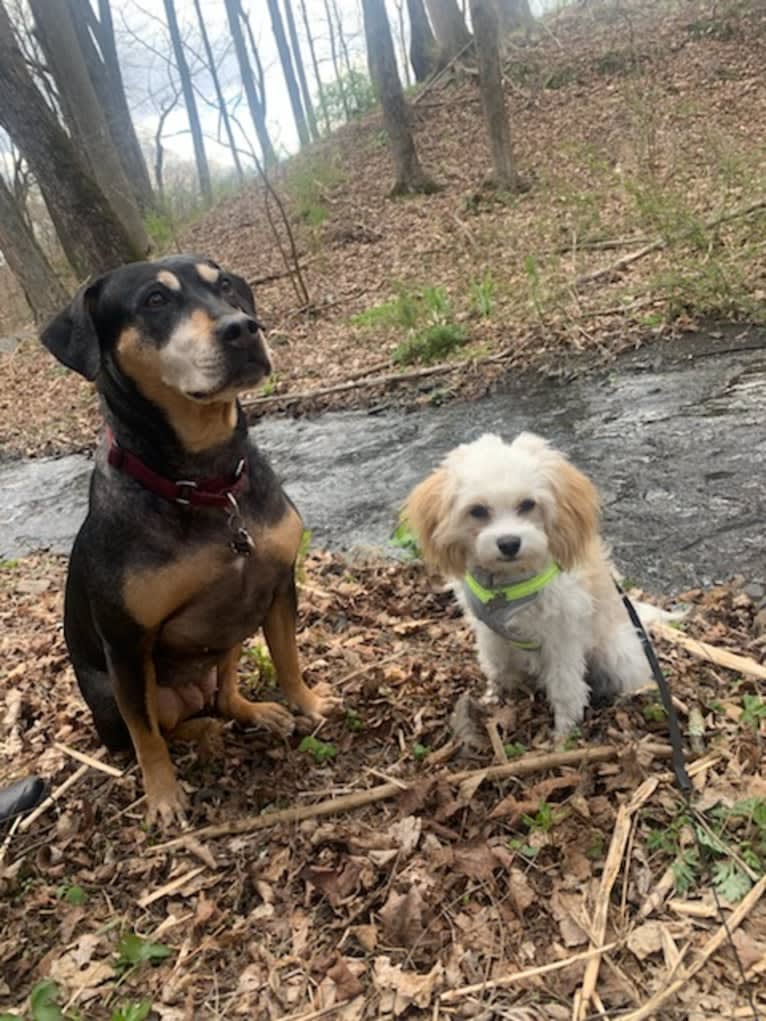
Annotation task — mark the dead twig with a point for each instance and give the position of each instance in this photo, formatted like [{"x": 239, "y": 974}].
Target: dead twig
[
  {"x": 660, "y": 243},
  {"x": 357, "y": 384},
  {"x": 710, "y": 653},
  {"x": 56, "y": 793},
  {"x": 722, "y": 935},
  {"x": 525, "y": 766},
  {"x": 88, "y": 760},
  {"x": 622, "y": 828},
  {"x": 520, "y": 976}
]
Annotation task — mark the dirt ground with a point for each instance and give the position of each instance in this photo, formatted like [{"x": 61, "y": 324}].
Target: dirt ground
[
  {"x": 641, "y": 130},
  {"x": 418, "y": 906}
]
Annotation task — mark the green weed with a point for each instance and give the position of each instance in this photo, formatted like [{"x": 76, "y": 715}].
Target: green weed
[
  {"x": 420, "y": 751},
  {"x": 514, "y": 749},
  {"x": 753, "y": 712},
  {"x": 74, "y": 894},
  {"x": 354, "y": 722},
  {"x": 355, "y": 88},
  {"x": 403, "y": 539},
  {"x": 321, "y": 751},
  {"x": 654, "y": 712},
  {"x": 258, "y": 655},
  {"x": 133, "y": 951},
  {"x": 309, "y": 180},
  {"x": 403, "y": 312},
  {"x": 44, "y": 1006},
  {"x": 544, "y": 819},
  {"x": 431, "y": 344},
  {"x": 482, "y": 295}
]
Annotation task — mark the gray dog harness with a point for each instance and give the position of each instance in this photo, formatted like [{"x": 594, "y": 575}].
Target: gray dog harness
[{"x": 496, "y": 606}]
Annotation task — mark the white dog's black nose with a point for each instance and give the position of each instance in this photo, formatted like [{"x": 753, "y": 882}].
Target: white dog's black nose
[{"x": 509, "y": 545}]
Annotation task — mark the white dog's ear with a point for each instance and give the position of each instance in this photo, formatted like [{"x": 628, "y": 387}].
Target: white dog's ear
[
  {"x": 576, "y": 514},
  {"x": 427, "y": 513}
]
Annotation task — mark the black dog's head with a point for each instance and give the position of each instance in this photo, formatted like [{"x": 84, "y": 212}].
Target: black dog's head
[{"x": 180, "y": 328}]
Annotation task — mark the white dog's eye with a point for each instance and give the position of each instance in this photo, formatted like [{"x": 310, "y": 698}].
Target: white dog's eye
[
  {"x": 479, "y": 511},
  {"x": 526, "y": 506}
]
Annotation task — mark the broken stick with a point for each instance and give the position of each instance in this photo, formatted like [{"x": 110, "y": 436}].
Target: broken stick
[
  {"x": 525, "y": 766},
  {"x": 712, "y": 653}
]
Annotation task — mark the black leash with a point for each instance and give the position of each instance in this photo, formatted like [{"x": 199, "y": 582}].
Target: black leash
[
  {"x": 676, "y": 741},
  {"x": 682, "y": 777}
]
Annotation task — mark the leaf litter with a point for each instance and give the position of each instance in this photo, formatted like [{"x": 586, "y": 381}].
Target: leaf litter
[{"x": 392, "y": 910}]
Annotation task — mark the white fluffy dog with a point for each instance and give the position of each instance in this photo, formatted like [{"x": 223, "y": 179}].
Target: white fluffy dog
[{"x": 515, "y": 528}]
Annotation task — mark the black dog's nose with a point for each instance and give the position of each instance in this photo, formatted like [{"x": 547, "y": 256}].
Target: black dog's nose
[
  {"x": 509, "y": 545},
  {"x": 236, "y": 329}
]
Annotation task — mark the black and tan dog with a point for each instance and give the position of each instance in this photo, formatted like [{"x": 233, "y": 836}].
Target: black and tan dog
[{"x": 190, "y": 542}]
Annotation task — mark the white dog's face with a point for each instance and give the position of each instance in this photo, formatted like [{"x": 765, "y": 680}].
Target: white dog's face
[{"x": 506, "y": 508}]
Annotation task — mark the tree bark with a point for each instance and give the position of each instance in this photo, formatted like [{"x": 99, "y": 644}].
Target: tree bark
[
  {"x": 308, "y": 106},
  {"x": 410, "y": 176},
  {"x": 254, "y": 102},
  {"x": 399, "y": 4},
  {"x": 449, "y": 26},
  {"x": 222, "y": 107},
  {"x": 200, "y": 156},
  {"x": 84, "y": 113},
  {"x": 44, "y": 292},
  {"x": 104, "y": 70},
  {"x": 335, "y": 64},
  {"x": 424, "y": 50},
  {"x": 91, "y": 235},
  {"x": 315, "y": 64},
  {"x": 285, "y": 60},
  {"x": 514, "y": 14},
  {"x": 486, "y": 33}
]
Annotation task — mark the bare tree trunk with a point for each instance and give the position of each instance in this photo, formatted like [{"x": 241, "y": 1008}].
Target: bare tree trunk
[
  {"x": 254, "y": 102},
  {"x": 449, "y": 26},
  {"x": 335, "y": 64},
  {"x": 487, "y": 36},
  {"x": 381, "y": 57},
  {"x": 403, "y": 42},
  {"x": 514, "y": 14},
  {"x": 315, "y": 64},
  {"x": 104, "y": 70},
  {"x": 43, "y": 290},
  {"x": 301, "y": 72},
  {"x": 424, "y": 50},
  {"x": 84, "y": 113},
  {"x": 342, "y": 41},
  {"x": 200, "y": 156},
  {"x": 222, "y": 107},
  {"x": 91, "y": 235},
  {"x": 285, "y": 60}
]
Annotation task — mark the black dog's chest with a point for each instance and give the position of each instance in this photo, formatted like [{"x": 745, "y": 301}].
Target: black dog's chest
[{"x": 228, "y": 608}]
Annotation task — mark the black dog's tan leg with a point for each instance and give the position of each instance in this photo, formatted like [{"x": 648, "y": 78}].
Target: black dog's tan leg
[
  {"x": 135, "y": 688},
  {"x": 230, "y": 702},
  {"x": 279, "y": 629}
]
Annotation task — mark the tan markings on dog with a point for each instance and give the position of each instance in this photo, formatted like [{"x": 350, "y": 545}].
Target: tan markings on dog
[
  {"x": 152, "y": 594},
  {"x": 208, "y": 273},
  {"x": 232, "y": 704},
  {"x": 198, "y": 426},
  {"x": 426, "y": 512},
  {"x": 170, "y": 280},
  {"x": 577, "y": 511},
  {"x": 282, "y": 540},
  {"x": 164, "y": 797}
]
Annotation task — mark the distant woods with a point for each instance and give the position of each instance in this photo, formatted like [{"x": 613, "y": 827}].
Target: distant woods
[{"x": 98, "y": 100}]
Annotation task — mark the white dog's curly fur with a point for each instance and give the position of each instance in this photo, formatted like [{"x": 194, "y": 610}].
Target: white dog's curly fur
[{"x": 526, "y": 497}]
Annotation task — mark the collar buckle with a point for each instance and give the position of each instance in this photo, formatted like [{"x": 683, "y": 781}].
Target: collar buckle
[{"x": 184, "y": 490}]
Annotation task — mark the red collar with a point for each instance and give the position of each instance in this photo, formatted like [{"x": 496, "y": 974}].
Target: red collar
[{"x": 202, "y": 493}]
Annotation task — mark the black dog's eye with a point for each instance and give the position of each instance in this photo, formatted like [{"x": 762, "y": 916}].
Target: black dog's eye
[
  {"x": 156, "y": 299},
  {"x": 526, "y": 506},
  {"x": 227, "y": 287},
  {"x": 479, "y": 511}
]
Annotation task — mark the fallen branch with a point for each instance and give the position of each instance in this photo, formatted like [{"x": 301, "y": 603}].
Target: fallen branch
[
  {"x": 358, "y": 384},
  {"x": 525, "y": 766},
  {"x": 722, "y": 935},
  {"x": 441, "y": 73},
  {"x": 58, "y": 791},
  {"x": 612, "y": 865},
  {"x": 520, "y": 976},
  {"x": 88, "y": 760},
  {"x": 711, "y": 653},
  {"x": 660, "y": 243}
]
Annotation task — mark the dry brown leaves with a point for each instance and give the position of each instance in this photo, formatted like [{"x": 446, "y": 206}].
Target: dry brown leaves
[{"x": 382, "y": 911}]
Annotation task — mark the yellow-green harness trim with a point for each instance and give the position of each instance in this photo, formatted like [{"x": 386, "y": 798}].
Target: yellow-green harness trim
[{"x": 512, "y": 593}]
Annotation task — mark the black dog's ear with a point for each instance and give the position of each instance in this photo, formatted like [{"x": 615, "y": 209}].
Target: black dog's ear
[
  {"x": 244, "y": 293},
  {"x": 71, "y": 335}
]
